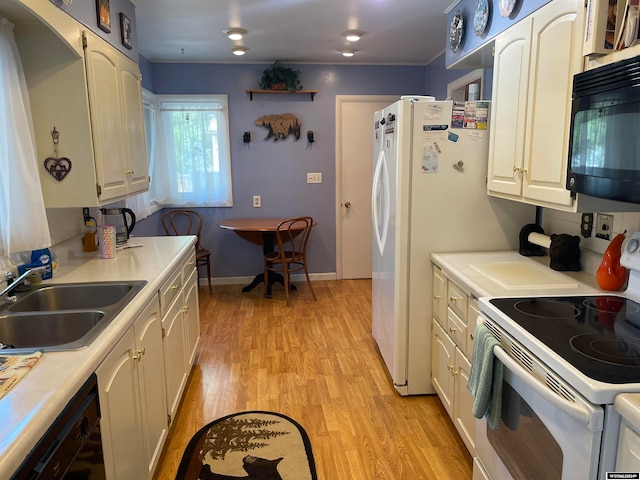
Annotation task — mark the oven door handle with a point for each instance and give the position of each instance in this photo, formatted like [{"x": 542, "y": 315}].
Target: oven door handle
[{"x": 591, "y": 419}]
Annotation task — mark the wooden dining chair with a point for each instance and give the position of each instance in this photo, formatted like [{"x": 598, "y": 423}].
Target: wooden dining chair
[
  {"x": 292, "y": 237},
  {"x": 188, "y": 222}
]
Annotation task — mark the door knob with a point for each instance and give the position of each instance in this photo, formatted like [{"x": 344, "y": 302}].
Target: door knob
[{"x": 347, "y": 204}]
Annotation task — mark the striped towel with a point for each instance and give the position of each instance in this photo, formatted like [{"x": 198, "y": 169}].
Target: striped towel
[{"x": 485, "y": 378}]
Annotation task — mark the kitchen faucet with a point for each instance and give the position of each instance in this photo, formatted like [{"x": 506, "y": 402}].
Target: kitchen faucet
[{"x": 11, "y": 283}]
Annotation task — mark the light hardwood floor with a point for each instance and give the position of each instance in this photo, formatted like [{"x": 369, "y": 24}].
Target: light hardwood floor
[{"x": 317, "y": 363}]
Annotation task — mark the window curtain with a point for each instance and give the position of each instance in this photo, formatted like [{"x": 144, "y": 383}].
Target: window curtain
[
  {"x": 143, "y": 204},
  {"x": 192, "y": 164},
  {"x": 23, "y": 219}
]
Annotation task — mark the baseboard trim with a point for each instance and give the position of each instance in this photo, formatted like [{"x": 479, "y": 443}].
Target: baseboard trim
[{"x": 247, "y": 280}]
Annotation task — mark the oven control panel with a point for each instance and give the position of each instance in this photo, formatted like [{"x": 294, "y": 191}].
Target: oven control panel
[{"x": 631, "y": 254}]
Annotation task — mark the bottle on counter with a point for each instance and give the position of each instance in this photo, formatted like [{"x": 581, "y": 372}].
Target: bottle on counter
[
  {"x": 90, "y": 239},
  {"x": 43, "y": 258}
]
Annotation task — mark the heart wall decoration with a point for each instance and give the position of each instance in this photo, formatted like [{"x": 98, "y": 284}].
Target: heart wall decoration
[{"x": 58, "y": 168}]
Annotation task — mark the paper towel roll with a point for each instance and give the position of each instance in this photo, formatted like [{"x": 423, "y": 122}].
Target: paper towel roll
[{"x": 539, "y": 239}]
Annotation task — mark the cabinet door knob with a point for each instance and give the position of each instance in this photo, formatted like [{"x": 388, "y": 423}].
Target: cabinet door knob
[
  {"x": 516, "y": 169},
  {"x": 436, "y": 297},
  {"x": 453, "y": 329},
  {"x": 453, "y": 299}
]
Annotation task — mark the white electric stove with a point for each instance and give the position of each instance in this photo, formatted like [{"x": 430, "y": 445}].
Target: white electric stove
[{"x": 566, "y": 358}]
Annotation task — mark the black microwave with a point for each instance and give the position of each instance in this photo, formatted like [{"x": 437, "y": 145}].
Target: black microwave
[{"x": 604, "y": 147}]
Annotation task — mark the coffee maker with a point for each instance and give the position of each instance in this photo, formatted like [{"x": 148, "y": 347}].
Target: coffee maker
[{"x": 118, "y": 218}]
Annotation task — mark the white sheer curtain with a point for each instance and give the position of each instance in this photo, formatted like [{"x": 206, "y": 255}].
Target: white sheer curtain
[
  {"x": 143, "y": 204},
  {"x": 192, "y": 165},
  {"x": 23, "y": 219}
]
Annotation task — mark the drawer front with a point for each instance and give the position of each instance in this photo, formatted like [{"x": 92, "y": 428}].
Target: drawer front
[
  {"x": 457, "y": 300},
  {"x": 439, "y": 296},
  {"x": 457, "y": 329},
  {"x": 472, "y": 321},
  {"x": 170, "y": 290},
  {"x": 188, "y": 266}
]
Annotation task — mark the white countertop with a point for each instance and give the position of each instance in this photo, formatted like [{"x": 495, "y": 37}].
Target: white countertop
[
  {"x": 466, "y": 268},
  {"x": 30, "y": 407},
  {"x": 628, "y": 406}
]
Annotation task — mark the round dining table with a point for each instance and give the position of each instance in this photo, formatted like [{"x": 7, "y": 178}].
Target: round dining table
[{"x": 260, "y": 231}]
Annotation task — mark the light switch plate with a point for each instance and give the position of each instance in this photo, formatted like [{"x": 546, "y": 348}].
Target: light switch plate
[
  {"x": 314, "y": 177},
  {"x": 604, "y": 225}
]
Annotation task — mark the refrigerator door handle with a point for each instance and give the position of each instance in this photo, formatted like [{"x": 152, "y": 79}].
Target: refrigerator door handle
[{"x": 380, "y": 201}]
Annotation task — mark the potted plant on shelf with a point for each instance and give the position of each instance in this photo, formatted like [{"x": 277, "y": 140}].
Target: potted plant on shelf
[{"x": 280, "y": 77}]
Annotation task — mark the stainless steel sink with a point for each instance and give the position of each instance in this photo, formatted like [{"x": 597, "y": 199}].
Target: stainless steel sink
[
  {"x": 63, "y": 317},
  {"x": 51, "y": 331},
  {"x": 75, "y": 296}
]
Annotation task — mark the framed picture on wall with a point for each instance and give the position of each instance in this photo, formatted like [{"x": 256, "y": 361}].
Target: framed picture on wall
[
  {"x": 104, "y": 15},
  {"x": 125, "y": 31}
]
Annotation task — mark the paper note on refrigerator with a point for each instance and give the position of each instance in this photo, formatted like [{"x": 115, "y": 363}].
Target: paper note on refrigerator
[
  {"x": 429, "y": 159},
  {"x": 431, "y": 149}
]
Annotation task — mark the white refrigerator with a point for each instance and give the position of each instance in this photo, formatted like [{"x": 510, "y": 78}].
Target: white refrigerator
[{"x": 429, "y": 194}]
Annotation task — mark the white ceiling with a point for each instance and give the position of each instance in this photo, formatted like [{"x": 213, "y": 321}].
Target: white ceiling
[{"x": 401, "y": 32}]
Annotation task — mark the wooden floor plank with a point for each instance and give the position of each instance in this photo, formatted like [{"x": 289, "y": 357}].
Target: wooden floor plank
[{"x": 317, "y": 363}]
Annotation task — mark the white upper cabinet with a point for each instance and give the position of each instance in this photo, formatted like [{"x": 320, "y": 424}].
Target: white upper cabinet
[
  {"x": 535, "y": 61},
  {"x": 91, "y": 93},
  {"x": 115, "y": 98}
]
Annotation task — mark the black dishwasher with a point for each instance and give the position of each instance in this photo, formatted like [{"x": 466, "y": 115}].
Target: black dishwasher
[{"x": 71, "y": 449}]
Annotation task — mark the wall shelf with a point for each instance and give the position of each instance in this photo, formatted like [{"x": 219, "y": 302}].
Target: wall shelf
[{"x": 283, "y": 92}]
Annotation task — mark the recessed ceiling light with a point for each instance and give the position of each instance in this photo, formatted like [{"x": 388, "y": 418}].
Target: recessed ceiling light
[
  {"x": 352, "y": 35},
  {"x": 239, "y": 50},
  {"x": 235, "y": 33},
  {"x": 348, "y": 53}
]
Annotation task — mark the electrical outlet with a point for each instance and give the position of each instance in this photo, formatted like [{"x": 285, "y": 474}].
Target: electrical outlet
[
  {"x": 314, "y": 177},
  {"x": 586, "y": 225},
  {"x": 257, "y": 201},
  {"x": 604, "y": 225}
]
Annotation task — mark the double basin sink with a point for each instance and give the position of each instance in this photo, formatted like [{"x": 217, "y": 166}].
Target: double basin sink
[{"x": 62, "y": 317}]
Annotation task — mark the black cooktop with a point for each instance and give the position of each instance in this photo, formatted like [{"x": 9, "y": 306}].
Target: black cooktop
[{"x": 599, "y": 335}]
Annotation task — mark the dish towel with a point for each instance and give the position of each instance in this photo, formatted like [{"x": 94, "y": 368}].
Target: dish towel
[{"x": 485, "y": 378}]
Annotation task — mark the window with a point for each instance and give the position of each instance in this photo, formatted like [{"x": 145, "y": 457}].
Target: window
[{"x": 188, "y": 148}]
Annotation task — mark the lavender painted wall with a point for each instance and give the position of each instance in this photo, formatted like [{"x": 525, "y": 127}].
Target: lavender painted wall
[
  {"x": 277, "y": 170},
  {"x": 86, "y": 13},
  {"x": 496, "y": 24}
]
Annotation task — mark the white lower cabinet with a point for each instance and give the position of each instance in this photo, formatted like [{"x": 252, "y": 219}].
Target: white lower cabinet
[
  {"x": 192, "y": 317},
  {"x": 142, "y": 380},
  {"x": 463, "y": 418},
  {"x": 131, "y": 390},
  {"x": 452, "y": 344},
  {"x": 175, "y": 358},
  {"x": 628, "y": 459},
  {"x": 443, "y": 352},
  {"x": 180, "y": 329},
  {"x": 478, "y": 471}
]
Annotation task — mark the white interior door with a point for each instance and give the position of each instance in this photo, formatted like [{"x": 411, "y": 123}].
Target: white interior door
[{"x": 354, "y": 170}]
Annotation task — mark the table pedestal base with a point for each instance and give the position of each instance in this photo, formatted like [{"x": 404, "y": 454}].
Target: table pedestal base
[{"x": 273, "y": 278}]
